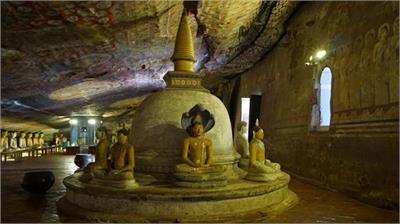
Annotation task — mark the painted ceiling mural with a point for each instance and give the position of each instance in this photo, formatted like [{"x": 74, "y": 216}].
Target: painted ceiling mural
[{"x": 60, "y": 58}]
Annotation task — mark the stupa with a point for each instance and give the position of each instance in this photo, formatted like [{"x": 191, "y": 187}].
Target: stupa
[
  {"x": 156, "y": 126},
  {"x": 157, "y": 136}
]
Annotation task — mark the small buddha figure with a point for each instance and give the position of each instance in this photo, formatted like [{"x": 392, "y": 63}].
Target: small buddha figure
[
  {"x": 101, "y": 149},
  {"x": 260, "y": 168},
  {"x": 242, "y": 144},
  {"x": 57, "y": 140},
  {"x": 13, "y": 141},
  {"x": 29, "y": 141},
  {"x": 197, "y": 151},
  {"x": 22, "y": 140},
  {"x": 122, "y": 158},
  {"x": 35, "y": 139},
  {"x": 4, "y": 140},
  {"x": 41, "y": 139}
]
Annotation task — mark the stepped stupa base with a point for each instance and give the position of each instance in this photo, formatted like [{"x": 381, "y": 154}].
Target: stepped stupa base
[{"x": 240, "y": 200}]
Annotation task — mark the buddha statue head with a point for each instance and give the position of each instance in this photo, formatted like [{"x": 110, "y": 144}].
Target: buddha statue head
[
  {"x": 122, "y": 136},
  {"x": 4, "y": 133},
  {"x": 383, "y": 32},
  {"x": 197, "y": 129},
  {"x": 13, "y": 134},
  {"x": 241, "y": 127},
  {"x": 29, "y": 135},
  {"x": 22, "y": 135},
  {"x": 35, "y": 135},
  {"x": 258, "y": 132},
  {"x": 41, "y": 135},
  {"x": 101, "y": 133}
]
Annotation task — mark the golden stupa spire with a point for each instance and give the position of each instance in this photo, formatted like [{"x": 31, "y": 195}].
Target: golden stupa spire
[{"x": 183, "y": 56}]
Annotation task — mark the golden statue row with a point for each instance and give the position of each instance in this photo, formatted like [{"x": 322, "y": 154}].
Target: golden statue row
[
  {"x": 10, "y": 142},
  {"x": 197, "y": 169}
]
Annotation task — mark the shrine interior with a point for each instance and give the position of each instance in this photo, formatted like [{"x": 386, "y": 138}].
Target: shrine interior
[{"x": 199, "y": 111}]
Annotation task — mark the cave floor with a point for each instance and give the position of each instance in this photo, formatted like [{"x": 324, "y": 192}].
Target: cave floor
[{"x": 315, "y": 204}]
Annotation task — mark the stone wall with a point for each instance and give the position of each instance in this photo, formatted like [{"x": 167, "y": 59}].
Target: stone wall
[{"x": 359, "y": 153}]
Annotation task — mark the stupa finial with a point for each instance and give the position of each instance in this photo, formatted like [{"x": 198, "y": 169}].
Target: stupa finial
[{"x": 183, "y": 56}]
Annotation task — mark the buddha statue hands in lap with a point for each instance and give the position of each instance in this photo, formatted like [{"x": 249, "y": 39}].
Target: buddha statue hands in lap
[{"x": 260, "y": 168}]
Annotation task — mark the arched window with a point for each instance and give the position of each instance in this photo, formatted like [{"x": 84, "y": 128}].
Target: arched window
[
  {"x": 321, "y": 109},
  {"x": 325, "y": 97}
]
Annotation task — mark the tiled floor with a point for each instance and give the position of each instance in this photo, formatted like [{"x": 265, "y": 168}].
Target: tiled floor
[{"x": 315, "y": 205}]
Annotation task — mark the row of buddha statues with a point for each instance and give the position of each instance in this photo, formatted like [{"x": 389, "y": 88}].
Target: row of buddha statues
[
  {"x": 196, "y": 169},
  {"x": 13, "y": 140}
]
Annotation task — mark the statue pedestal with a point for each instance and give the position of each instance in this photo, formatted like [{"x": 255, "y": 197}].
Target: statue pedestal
[{"x": 240, "y": 200}]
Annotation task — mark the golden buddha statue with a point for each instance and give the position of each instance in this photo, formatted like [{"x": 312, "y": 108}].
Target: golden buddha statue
[
  {"x": 260, "y": 168},
  {"x": 57, "y": 140},
  {"x": 35, "y": 139},
  {"x": 41, "y": 139},
  {"x": 61, "y": 139},
  {"x": 22, "y": 140},
  {"x": 4, "y": 140},
  {"x": 122, "y": 158},
  {"x": 101, "y": 149},
  {"x": 13, "y": 141},
  {"x": 242, "y": 145},
  {"x": 197, "y": 151},
  {"x": 29, "y": 141},
  {"x": 115, "y": 173}
]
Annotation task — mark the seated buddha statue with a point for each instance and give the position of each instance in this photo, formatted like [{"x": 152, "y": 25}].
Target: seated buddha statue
[
  {"x": 13, "y": 141},
  {"x": 117, "y": 172},
  {"x": 260, "y": 168},
  {"x": 242, "y": 145},
  {"x": 102, "y": 147},
  {"x": 4, "y": 140},
  {"x": 22, "y": 140},
  {"x": 41, "y": 139},
  {"x": 61, "y": 139},
  {"x": 57, "y": 140},
  {"x": 29, "y": 141},
  {"x": 35, "y": 139},
  {"x": 122, "y": 157},
  {"x": 196, "y": 152}
]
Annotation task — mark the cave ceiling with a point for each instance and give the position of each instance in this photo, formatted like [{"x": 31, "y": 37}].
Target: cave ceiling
[{"x": 103, "y": 57}]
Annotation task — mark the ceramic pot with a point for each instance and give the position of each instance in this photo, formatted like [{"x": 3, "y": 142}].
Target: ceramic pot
[
  {"x": 38, "y": 182},
  {"x": 82, "y": 160}
]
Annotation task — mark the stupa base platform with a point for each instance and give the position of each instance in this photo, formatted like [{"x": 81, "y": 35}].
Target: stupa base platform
[{"x": 240, "y": 200}]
